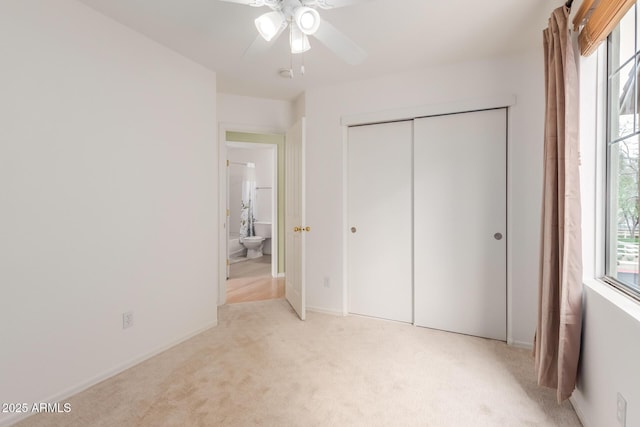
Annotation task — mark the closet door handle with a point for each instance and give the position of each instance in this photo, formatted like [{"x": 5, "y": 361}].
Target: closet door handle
[
  {"x": 497, "y": 236},
  {"x": 353, "y": 229}
]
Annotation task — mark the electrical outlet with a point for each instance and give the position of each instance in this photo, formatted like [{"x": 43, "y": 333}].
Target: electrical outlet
[
  {"x": 327, "y": 283},
  {"x": 127, "y": 319},
  {"x": 621, "y": 410}
]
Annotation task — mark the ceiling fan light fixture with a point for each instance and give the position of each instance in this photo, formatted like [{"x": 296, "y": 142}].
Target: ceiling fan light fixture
[
  {"x": 308, "y": 19},
  {"x": 298, "y": 41},
  {"x": 270, "y": 24}
]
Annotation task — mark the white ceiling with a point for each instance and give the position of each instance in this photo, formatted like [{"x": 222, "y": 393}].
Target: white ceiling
[{"x": 397, "y": 34}]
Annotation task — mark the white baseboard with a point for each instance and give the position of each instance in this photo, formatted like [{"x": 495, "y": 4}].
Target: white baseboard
[
  {"x": 521, "y": 344},
  {"x": 325, "y": 311},
  {"x": 579, "y": 412},
  {"x": 66, "y": 394},
  {"x": 280, "y": 275}
]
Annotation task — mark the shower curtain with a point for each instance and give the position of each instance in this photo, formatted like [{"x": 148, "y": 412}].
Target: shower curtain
[{"x": 247, "y": 207}]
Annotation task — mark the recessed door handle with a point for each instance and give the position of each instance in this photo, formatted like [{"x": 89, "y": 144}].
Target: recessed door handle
[
  {"x": 497, "y": 236},
  {"x": 353, "y": 229}
]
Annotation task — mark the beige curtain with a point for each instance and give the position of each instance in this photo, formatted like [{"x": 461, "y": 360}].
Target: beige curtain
[{"x": 557, "y": 343}]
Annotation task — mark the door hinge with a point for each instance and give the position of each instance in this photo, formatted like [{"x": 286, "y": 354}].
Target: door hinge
[
  {"x": 228, "y": 262},
  {"x": 228, "y": 212},
  {"x": 227, "y": 163}
]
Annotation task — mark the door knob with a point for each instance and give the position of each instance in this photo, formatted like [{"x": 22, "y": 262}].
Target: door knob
[
  {"x": 353, "y": 229},
  {"x": 497, "y": 236},
  {"x": 297, "y": 229},
  {"x": 307, "y": 229}
]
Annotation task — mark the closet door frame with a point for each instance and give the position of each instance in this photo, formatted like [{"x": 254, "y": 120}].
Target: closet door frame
[{"x": 464, "y": 106}]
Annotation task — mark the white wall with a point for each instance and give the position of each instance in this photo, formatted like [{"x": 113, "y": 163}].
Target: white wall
[
  {"x": 609, "y": 358},
  {"x": 260, "y": 114},
  {"x": 611, "y": 322},
  {"x": 299, "y": 107},
  {"x": 108, "y": 198},
  {"x": 520, "y": 75}
]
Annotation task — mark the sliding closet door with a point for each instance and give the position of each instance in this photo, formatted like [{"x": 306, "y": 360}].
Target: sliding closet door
[
  {"x": 380, "y": 221},
  {"x": 460, "y": 223}
]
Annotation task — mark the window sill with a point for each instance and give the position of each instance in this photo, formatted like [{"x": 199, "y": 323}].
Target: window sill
[{"x": 617, "y": 298}]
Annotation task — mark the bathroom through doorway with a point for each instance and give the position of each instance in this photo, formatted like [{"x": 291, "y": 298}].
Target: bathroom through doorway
[{"x": 254, "y": 221}]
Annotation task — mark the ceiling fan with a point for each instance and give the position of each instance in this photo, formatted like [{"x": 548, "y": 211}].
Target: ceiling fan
[{"x": 303, "y": 20}]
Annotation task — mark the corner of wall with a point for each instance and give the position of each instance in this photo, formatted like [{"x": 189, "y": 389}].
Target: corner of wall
[{"x": 299, "y": 107}]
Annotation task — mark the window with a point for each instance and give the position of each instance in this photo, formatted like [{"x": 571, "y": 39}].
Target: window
[{"x": 622, "y": 266}]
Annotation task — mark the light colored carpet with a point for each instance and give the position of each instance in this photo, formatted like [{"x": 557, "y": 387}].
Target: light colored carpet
[{"x": 261, "y": 366}]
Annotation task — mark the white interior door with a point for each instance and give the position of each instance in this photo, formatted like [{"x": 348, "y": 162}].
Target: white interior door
[
  {"x": 380, "y": 221},
  {"x": 460, "y": 223},
  {"x": 295, "y": 227}
]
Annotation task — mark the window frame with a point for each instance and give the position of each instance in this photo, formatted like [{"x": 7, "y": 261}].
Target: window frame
[{"x": 609, "y": 142}]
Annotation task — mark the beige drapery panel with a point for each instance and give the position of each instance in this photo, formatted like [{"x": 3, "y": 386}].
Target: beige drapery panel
[
  {"x": 557, "y": 342},
  {"x": 599, "y": 18}
]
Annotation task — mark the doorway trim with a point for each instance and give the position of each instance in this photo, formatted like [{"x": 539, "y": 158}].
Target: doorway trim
[
  {"x": 461, "y": 106},
  {"x": 223, "y": 128}
]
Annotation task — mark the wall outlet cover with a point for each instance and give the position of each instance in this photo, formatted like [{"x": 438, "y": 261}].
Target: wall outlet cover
[
  {"x": 127, "y": 319},
  {"x": 621, "y": 410}
]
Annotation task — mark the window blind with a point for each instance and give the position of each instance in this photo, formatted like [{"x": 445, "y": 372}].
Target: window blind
[{"x": 599, "y": 19}]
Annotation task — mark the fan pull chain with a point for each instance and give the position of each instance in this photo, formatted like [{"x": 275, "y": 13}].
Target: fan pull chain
[{"x": 290, "y": 50}]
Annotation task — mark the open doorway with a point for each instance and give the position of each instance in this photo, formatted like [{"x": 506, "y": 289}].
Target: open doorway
[{"x": 254, "y": 249}]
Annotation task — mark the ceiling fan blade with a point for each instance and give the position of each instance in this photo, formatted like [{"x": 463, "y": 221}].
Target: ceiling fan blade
[
  {"x": 256, "y": 3},
  {"x": 340, "y": 44},
  {"x": 332, "y": 4},
  {"x": 260, "y": 46},
  {"x": 256, "y": 49}
]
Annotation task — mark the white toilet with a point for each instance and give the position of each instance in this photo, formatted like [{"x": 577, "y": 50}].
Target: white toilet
[
  {"x": 254, "y": 246},
  {"x": 254, "y": 243}
]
